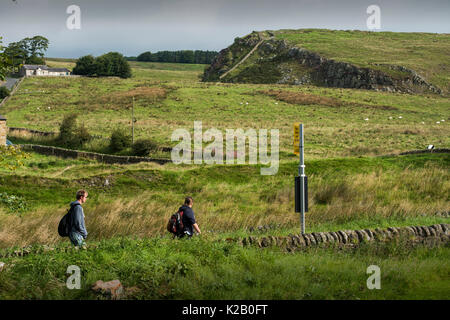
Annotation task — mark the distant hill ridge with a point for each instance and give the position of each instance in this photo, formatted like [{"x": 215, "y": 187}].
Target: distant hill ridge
[{"x": 388, "y": 61}]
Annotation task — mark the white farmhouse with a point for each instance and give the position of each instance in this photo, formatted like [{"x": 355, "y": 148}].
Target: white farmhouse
[{"x": 42, "y": 70}]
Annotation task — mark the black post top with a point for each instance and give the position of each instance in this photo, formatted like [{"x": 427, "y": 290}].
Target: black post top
[{"x": 2, "y": 118}]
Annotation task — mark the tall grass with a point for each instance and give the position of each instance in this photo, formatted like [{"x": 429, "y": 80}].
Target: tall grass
[
  {"x": 203, "y": 269},
  {"x": 224, "y": 207}
]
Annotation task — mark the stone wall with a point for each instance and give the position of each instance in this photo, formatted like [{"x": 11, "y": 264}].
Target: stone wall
[
  {"x": 107, "y": 158},
  {"x": 31, "y": 131},
  {"x": 435, "y": 234},
  {"x": 3, "y": 131}
]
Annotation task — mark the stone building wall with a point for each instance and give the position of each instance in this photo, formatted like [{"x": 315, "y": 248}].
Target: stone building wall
[{"x": 3, "y": 132}]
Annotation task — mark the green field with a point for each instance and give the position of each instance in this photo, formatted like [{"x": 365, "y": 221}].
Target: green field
[
  {"x": 356, "y": 180},
  {"x": 168, "y": 99}
]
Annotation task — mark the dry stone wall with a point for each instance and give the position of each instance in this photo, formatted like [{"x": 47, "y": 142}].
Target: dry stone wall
[
  {"x": 31, "y": 131},
  {"x": 106, "y": 158},
  {"x": 438, "y": 233}
]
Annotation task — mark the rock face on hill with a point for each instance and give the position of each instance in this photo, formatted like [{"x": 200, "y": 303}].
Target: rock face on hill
[{"x": 276, "y": 61}]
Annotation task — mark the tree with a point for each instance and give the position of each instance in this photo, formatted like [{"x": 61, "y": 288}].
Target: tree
[
  {"x": 3, "y": 62},
  {"x": 120, "y": 139},
  {"x": 17, "y": 54},
  {"x": 71, "y": 136},
  {"x": 28, "y": 50},
  {"x": 183, "y": 56},
  {"x": 4, "y": 92},
  {"x": 36, "y": 46},
  {"x": 145, "y": 56},
  {"x": 187, "y": 56},
  {"x": 109, "y": 64},
  {"x": 85, "y": 66}
]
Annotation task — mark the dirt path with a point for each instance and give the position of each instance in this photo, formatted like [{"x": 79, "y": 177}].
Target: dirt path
[
  {"x": 61, "y": 172},
  {"x": 245, "y": 58}
]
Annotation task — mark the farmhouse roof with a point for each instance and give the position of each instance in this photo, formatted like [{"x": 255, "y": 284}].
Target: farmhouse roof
[
  {"x": 2, "y": 118},
  {"x": 58, "y": 69},
  {"x": 43, "y": 67},
  {"x": 35, "y": 66}
]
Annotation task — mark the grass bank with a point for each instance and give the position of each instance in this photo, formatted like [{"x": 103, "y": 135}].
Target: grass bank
[{"x": 202, "y": 269}]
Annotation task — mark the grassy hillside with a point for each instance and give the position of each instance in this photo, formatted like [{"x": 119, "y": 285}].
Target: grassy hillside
[
  {"x": 426, "y": 53},
  {"x": 169, "y": 97},
  {"x": 350, "y": 193},
  {"x": 353, "y": 183}
]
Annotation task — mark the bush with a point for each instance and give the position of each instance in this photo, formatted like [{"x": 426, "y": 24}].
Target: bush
[
  {"x": 143, "y": 147},
  {"x": 4, "y": 92},
  {"x": 119, "y": 140},
  {"x": 71, "y": 136},
  {"x": 85, "y": 66},
  {"x": 113, "y": 64},
  {"x": 11, "y": 157},
  {"x": 13, "y": 203}
]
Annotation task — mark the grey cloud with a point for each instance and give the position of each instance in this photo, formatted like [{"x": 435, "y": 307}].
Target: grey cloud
[{"x": 134, "y": 26}]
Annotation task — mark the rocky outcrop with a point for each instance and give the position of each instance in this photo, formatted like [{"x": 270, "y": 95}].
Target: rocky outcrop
[
  {"x": 276, "y": 61},
  {"x": 432, "y": 235}
]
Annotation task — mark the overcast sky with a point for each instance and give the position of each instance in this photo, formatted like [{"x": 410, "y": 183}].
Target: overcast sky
[{"x": 134, "y": 26}]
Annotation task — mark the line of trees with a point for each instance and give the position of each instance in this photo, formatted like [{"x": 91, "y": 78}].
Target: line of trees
[
  {"x": 3, "y": 62},
  {"x": 109, "y": 64},
  {"x": 181, "y": 56}
]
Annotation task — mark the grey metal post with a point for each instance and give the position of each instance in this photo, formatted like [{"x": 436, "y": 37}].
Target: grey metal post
[{"x": 301, "y": 173}]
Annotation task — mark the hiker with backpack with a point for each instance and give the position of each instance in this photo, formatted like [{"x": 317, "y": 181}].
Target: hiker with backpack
[
  {"x": 72, "y": 224},
  {"x": 183, "y": 222}
]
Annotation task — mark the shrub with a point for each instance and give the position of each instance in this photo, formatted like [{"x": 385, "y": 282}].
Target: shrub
[
  {"x": 4, "y": 92},
  {"x": 13, "y": 203},
  {"x": 11, "y": 157},
  {"x": 85, "y": 66},
  {"x": 82, "y": 135},
  {"x": 119, "y": 140},
  {"x": 71, "y": 136},
  {"x": 143, "y": 147}
]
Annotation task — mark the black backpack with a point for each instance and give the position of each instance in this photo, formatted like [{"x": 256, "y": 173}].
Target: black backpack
[
  {"x": 175, "y": 225},
  {"x": 66, "y": 222}
]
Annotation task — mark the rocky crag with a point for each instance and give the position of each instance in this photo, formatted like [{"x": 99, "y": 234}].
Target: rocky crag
[{"x": 276, "y": 61}]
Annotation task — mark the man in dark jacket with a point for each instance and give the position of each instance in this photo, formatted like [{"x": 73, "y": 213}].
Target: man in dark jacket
[
  {"x": 78, "y": 231},
  {"x": 188, "y": 218}
]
